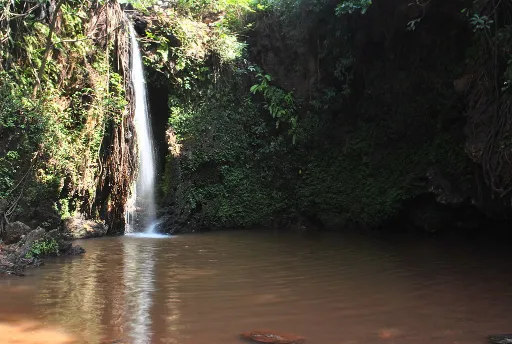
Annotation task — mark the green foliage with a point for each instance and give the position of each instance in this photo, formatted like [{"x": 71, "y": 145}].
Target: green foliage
[
  {"x": 183, "y": 63},
  {"x": 351, "y": 6},
  {"x": 356, "y": 153},
  {"x": 43, "y": 248},
  {"x": 280, "y": 104},
  {"x": 367, "y": 183},
  {"x": 480, "y": 22},
  {"x": 231, "y": 10},
  {"x": 22, "y": 131},
  {"x": 221, "y": 177},
  {"x": 53, "y": 140}
]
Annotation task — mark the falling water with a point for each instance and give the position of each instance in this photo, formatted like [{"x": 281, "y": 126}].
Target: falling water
[{"x": 141, "y": 207}]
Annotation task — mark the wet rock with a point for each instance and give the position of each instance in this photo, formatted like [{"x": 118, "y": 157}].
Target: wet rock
[
  {"x": 12, "y": 257},
  {"x": 7, "y": 265},
  {"x": 66, "y": 248},
  {"x": 266, "y": 336},
  {"x": 501, "y": 338},
  {"x": 14, "y": 231},
  {"x": 140, "y": 24},
  {"x": 79, "y": 228}
]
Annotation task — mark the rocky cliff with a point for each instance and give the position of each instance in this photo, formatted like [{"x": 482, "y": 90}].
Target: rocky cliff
[{"x": 339, "y": 115}]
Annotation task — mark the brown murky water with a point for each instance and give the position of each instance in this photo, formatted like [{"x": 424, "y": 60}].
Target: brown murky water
[{"x": 208, "y": 288}]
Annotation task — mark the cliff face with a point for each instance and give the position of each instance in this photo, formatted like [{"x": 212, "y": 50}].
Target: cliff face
[
  {"x": 352, "y": 118},
  {"x": 390, "y": 121}
]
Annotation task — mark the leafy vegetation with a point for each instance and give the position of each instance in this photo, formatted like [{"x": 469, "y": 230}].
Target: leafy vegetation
[
  {"x": 351, "y": 6},
  {"x": 43, "y": 248},
  {"x": 58, "y": 93},
  {"x": 280, "y": 104},
  {"x": 266, "y": 138}
]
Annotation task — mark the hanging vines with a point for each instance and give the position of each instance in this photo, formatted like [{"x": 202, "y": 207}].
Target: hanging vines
[
  {"x": 117, "y": 163},
  {"x": 65, "y": 78}
]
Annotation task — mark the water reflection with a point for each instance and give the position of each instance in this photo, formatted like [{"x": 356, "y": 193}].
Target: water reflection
[{"x": 139, "y": 287}]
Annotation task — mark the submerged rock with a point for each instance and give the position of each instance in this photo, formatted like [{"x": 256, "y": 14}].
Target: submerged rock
[
  {"x": 501, "y": 338},
  {"x": 74, "y": 251},
  {"x": 14, "y": 231},
  {"x": 265, "y": 336},
  {"x": 80, "y": 229}
]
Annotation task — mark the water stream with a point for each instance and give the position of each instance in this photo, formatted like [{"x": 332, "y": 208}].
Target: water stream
[{"x": 141, "y": 212}]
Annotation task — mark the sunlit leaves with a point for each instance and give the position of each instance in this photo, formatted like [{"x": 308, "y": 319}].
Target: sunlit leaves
[
  {"x": 279, "y": 103},
  {"x": 351, "y": 6}
]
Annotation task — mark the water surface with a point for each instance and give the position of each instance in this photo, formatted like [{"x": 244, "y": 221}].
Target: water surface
[{"x": 208, "y": 288}]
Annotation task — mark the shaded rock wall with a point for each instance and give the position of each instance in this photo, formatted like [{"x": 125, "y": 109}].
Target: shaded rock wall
[{"x": 383, "y": 131}]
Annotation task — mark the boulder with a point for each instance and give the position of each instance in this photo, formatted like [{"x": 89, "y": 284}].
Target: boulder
[
  {"x": 266, "y": 336},
  {"x": 80, "y": 229},
  {"x": 14, "y": 231},
  {"x": 62, "y": 240}
]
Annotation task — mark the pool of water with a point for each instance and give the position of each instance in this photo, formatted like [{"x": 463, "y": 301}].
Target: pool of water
[{"x": 208, "y": 288}]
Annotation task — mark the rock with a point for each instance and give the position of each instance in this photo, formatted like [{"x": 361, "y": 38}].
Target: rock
[
  {"x": 14, "y": 231},
  {"x": 127, "y": 7},
  {"x": 265, "y": 336},
  {"x": 439, "y": 185},
  {"x": 81, "y": 229},
  {"x": 140, "y": 23},
  {"x": 26, "y": 242},
  {"x": 500, "y": 339},
  {"x": 66, "y": 248},
  {"x": 213, "y": 17},
  {"x": 62, "y": 240}
]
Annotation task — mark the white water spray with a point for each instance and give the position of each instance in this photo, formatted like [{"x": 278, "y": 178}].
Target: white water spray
[{"x": 141, "y": 213}]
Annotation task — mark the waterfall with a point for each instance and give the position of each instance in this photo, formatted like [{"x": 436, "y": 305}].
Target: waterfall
[{"x": 141, "y": 214}]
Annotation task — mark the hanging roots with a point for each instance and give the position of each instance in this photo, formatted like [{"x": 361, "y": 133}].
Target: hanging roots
[
  {"x": 118, "y": 157},
  {"x": 489, "y": 125}
]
